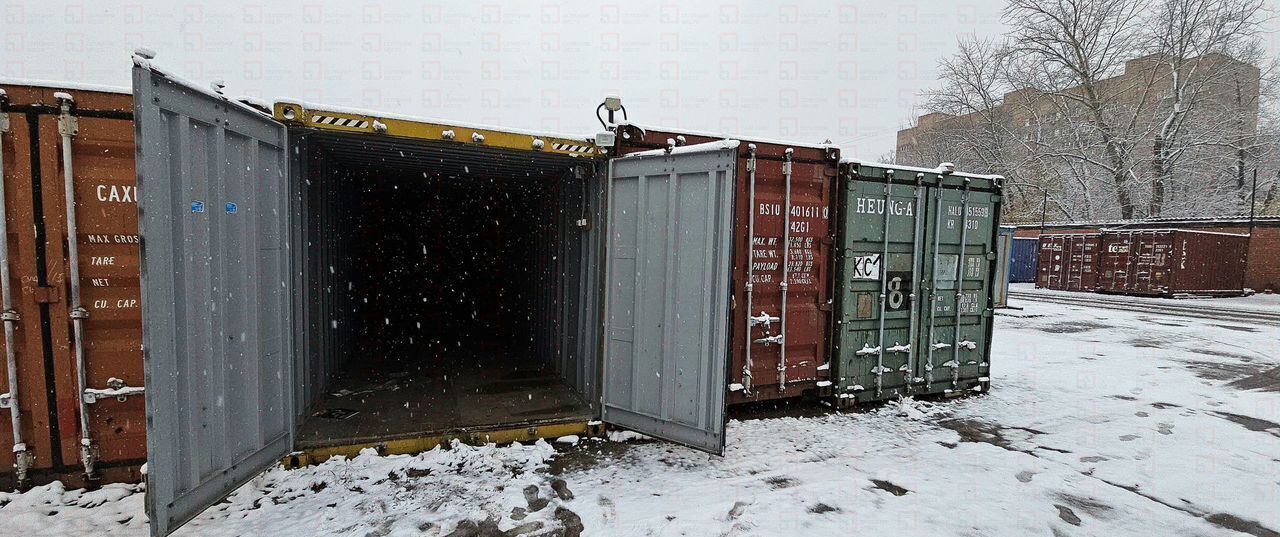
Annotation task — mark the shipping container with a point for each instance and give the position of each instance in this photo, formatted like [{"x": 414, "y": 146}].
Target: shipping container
[
  {"x": 326, "y": 280},
  {"x": 1069, "y": 261},
  {"x": 72, "y": 303},
  {"x": 783, "y": 194},
  {"x": 915, "y": 276},
  {"x": 1023, "y": 258},
  {"x": 1171, "y": 262},
  {"x": 1004, "y": 255}
]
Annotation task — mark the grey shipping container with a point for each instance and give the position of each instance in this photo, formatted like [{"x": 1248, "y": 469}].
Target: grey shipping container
[
  {"x": 306, "y": 264},
  {"x": 914, "y": 280},
  {"x": 1004, "y": 252}
]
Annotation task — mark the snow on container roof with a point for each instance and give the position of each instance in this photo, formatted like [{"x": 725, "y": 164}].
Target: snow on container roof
[
  {"x": 939, "y": 170},
  {"x": 1171, "y": 230},
  {"x": 724, "y": 136},
  {"x": 145, "y": 63},
  {"x": 64, "y": 85},
  {"x": 695, "y": 148},
  {"x": 1203, "y": 220}
]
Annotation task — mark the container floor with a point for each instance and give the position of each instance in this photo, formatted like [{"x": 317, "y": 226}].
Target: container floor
[{"x": 412, "y": 395}]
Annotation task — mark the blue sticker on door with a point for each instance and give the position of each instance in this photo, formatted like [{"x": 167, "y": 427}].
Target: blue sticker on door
[
  {"x": 232, "y": 208},
  {"x": 197, "y": 206}
]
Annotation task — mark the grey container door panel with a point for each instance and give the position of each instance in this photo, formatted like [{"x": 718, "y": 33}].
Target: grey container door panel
[
  {"x": 216, "y": 294},
  {"x": 668, "y": 268}
]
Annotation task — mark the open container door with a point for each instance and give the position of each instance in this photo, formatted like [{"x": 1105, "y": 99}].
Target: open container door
[
  {"x": 214, "y": 222},
  {"x": 668, "y": 290}
]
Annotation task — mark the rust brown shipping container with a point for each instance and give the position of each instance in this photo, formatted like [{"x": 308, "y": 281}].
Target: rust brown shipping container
[
  {"x": 1169, "y": 262},
  {"x": 760, "y": 228},
  {"x": 1069, "y": 262},
  {"x": 98, "y": 125}
]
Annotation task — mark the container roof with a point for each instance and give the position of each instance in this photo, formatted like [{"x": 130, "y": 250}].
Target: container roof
[
  {"x": 938, "y": 170},
  {"x": 709, "y": 134},
  {"x": 369, "y": 122},
  {"x": 64, "y": 85},
  {"x": 1169, "y": 221}
]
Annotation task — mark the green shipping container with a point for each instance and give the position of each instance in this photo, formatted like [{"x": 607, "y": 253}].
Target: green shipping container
[{"x": 905, "y": 283}]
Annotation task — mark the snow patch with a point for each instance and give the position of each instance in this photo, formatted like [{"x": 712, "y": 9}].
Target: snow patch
[{"x": 625, "y": 436}]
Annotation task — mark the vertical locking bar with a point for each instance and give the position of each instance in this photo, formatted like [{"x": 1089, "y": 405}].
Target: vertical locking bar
[
  {"x": 751, "y": 254},
  {"x": 964, "y": 238},
  {"x": 23, "y": 457},
  {"x": 786, "y": 263},
  {"x": 69, "y": 127},
  {"x": 916, "y": 261},
  {"x": 933, "y": 282},
  {"x": 884, "y": 280}
]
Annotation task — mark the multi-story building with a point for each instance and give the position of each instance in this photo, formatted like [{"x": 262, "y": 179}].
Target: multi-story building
[{"x": 1050, "y": 142}]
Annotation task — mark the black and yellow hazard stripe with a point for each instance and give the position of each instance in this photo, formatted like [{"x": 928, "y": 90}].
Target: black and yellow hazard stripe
[{"x": 330, "y": 120}]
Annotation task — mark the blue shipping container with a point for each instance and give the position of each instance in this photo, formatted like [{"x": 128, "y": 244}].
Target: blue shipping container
[{"x": 1023, "y": 259}]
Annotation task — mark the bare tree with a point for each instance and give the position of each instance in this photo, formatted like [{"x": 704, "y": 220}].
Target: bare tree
[
  {"x": 1107, "y": 109},
  {"x": 1208, "y": 51},
  {"x": 1073, "y": 47}
]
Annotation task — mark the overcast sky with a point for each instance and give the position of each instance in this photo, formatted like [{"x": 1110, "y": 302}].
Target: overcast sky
[{"x": 808, "y": 71}]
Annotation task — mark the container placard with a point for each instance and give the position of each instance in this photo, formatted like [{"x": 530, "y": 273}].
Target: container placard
[{"x": 865, "y": 267}]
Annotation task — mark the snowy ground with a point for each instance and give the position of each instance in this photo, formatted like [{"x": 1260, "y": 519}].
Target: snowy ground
[{"x": 1099, "y": 423}]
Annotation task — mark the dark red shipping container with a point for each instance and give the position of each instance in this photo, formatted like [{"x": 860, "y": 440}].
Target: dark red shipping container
[
  {"x": 760, "y": 229},
  {"x": 53, "y": 402},
  {"x": 1168, "y": 262},
  {"x": 1069, "y": 262}
]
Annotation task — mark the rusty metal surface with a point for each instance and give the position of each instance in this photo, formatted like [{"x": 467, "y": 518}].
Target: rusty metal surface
[
  {"x": 1069, "y": 262},
  {"x": 104, "y": 178},
  {"x": 26, "y": 286},
  {"x": 107, "y": 214},
  {"x": 1168, "y": 262},
  {"x": 810, "y": 280}
]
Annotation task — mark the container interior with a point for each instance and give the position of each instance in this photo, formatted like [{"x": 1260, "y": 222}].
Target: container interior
[{"x": 441, "y": 288}]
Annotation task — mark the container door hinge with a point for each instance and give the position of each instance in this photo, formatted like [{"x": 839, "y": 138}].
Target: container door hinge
[
  {"x": 6, "y": 400},
  {"x": 115, "y": 388}
]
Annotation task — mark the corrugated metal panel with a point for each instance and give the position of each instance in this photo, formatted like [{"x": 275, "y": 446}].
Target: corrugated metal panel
[
  {"x": 667, "y": 303},
  {"x": 324, "y": 332},
  {"x": 958, "y": 333},
  {"x": 107, "y": 246},
  {"x": 27, "y": 280},
  {"x": 1069, "y": 262},
  {"x": 100, "y": 155},
  {"x": 591, "y": 291},
  {"x": 1022, "y": 260},
  {"x": 1171, "y": 262},
  {"x": 903, "y": 293},
  {"x": 216, "y": 294},
  {"x": 879, "y": 280},
  {"x": 761, "y": 225},
  {"x": 1004, "y": 252}
]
